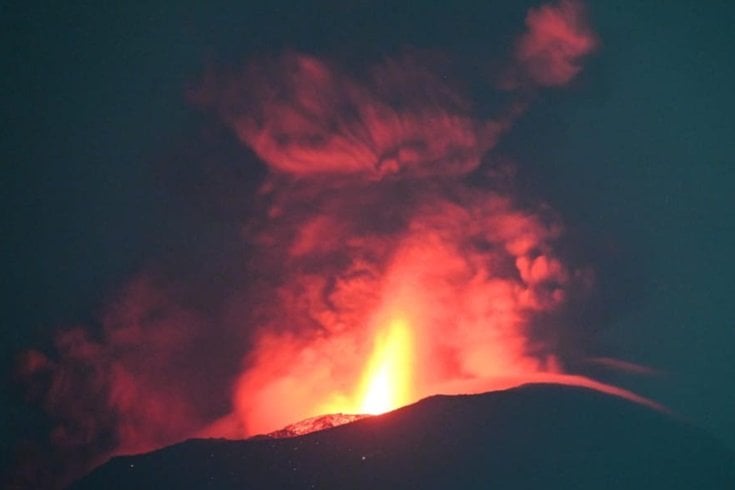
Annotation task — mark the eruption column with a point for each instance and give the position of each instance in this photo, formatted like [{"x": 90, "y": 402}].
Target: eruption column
[
  {"x": 387, "y": 379},
  {"x": 378, "y": 269}
]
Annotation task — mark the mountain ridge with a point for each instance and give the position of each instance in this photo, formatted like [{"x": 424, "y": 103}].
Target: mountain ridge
[{"x": 526, "y": 437}]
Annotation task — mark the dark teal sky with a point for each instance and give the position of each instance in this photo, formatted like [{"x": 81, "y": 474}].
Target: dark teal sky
[
  {"x": 643, "y": 157},
  {"x": 637, "y": 156}
]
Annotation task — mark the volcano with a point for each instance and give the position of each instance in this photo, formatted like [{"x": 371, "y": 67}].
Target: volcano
[{"x": 533, "y": 436}]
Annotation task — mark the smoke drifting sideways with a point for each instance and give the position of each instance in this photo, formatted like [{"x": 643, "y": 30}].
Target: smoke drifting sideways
[{"x": 376, "y": 208}]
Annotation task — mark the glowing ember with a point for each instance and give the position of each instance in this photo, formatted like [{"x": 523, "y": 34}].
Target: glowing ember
[{"x": 387, "y": 379}]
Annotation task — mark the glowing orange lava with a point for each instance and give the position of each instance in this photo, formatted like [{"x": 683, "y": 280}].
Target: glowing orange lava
[{"x": 386, "y": 382}]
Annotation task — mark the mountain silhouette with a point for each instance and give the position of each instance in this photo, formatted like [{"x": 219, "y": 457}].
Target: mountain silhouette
[{"x": 535, "y": 436}]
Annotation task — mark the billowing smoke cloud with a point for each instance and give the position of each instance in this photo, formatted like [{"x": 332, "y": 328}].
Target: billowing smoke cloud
[
  {"x": 377, "y": 209},
  {"x": 557, "y": 39},
  {"x": 303, "y": 116},
  {"x": 467, "y": 269},
  {"x": 145, "y": 378},
  {"x": 134, "y": 376}
]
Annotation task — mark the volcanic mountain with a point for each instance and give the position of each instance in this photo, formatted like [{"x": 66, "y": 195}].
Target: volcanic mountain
[{"x": 534, "y": 436}]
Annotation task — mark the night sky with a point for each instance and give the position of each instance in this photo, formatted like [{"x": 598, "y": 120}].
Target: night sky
[{"x": 637, "y": 156}]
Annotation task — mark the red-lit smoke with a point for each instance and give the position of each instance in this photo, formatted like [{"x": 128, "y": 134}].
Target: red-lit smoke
[
  {"x": 135, "y": 385},
  {"x": 303, "y": 116},
  {"x": 465, "y": 268},
  {"x": 556, "y": 41},
  {"x": 377, "y": 209}
]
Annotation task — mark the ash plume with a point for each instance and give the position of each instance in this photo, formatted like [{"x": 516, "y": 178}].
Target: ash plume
[
  {"x": 381, "y": 200},
  {"x": 557, "y": 39},
  {"x": 303, "y": 116}
]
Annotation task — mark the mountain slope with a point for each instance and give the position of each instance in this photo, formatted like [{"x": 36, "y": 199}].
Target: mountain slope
[
  {"x": 534, "y": 436},
  {"x": 313, "y": 424}
]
